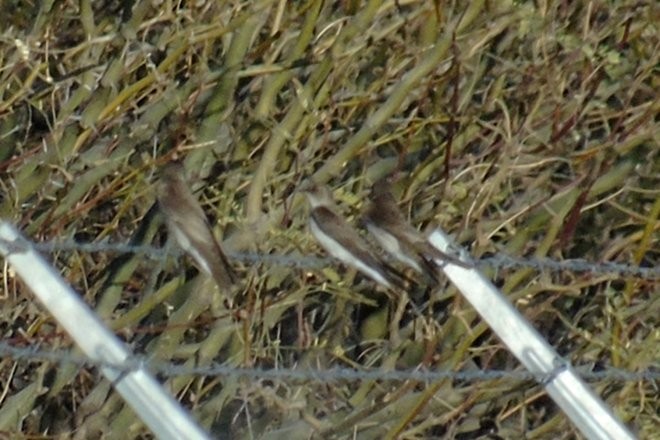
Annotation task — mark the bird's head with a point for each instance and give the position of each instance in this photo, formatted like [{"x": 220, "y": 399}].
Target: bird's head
[{"x": 317, "y": 194}]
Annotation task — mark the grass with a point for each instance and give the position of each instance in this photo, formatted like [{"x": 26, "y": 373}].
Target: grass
[{"x": 529, "y": 128}]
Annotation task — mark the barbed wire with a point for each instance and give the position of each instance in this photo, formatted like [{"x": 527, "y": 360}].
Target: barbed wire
[
  {"x": 165, "y": 369},
  {"x": 498, "y": 260}
]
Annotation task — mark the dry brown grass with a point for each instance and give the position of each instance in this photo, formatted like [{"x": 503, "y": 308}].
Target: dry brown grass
[{"x": 526, "y": 128}]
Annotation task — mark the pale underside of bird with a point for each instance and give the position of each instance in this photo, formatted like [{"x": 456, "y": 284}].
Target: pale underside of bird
[
  {"x": 187, "y": 223},
  {"x": 342, "y": 241}
]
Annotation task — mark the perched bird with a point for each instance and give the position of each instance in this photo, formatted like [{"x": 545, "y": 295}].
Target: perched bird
[
  {"x": 187, "y": 222},
  {"x": 388, "y": 226},
  {"x": 342, "y": 241}
]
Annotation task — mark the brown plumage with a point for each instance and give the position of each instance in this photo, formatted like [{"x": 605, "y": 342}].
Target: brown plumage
[
  {"x": 386, "y": 223},
  {"x": 342, "y": 241},
  {"x": 188, "y": 225}
]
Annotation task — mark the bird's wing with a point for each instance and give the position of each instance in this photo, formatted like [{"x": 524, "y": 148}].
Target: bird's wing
[
  {"x": 336, "y": 227},
  {"x": 184, "y": 213}
]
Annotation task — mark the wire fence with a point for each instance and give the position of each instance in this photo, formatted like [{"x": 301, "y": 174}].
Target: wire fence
[
  {"x": 131, "y": 375},
  {"x": 167, "y": 369},
  {"x": 497, "y": 261}
]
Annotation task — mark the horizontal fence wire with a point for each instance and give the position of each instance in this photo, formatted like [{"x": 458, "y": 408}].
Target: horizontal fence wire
[
  {"x": 497, "y": 261},
  {"x": 165, "y": 369}
]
